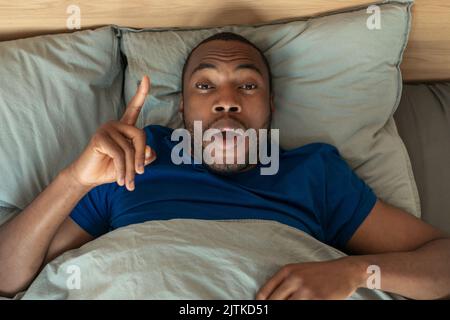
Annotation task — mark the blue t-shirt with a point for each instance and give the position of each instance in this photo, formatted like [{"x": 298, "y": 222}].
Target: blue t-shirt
[{"x": 314, "y": 190}]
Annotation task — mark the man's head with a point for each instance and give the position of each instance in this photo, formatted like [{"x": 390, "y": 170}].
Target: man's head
[{"x": 226, "y": 83}]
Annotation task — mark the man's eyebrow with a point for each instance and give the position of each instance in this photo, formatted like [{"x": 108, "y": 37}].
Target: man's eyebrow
[
  {"x": 202, "y": 66},
  {"x": 250, "y": 66},
  {"x": 205, "y": 65}
]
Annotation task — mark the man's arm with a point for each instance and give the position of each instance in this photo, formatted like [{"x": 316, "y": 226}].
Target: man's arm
[
  {"x": 26, "y": 240},
  {"x": 413, "y": 257},
  {"x": 116, "y": 152}
]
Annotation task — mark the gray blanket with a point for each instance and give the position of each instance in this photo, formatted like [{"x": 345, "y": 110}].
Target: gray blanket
[{"x": 181, "y": 259}]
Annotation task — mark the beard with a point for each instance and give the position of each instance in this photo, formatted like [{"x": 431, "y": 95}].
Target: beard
[{"x": 228, "y": 166}]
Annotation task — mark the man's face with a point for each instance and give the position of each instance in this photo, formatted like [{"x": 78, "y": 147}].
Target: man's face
[{"x": 226, "y": 86}]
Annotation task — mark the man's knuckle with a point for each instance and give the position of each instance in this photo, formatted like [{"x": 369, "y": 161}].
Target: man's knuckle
[
  {"x": 295, "y": 276},
  {"x": 120, "y": 155},
  {"x": 286, "y": 269},
  {"x": 129, "y": 150},
  {"x": 136, "y": 132}
]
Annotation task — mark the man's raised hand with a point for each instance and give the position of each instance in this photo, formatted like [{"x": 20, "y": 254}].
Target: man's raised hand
[{"x": 117, "y": 150}]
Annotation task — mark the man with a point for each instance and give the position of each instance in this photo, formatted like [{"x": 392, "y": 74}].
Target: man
[{"x": 226, "y": 84}]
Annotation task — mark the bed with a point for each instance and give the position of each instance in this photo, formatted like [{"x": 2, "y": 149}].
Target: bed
[{"x": 143, "y": 246}]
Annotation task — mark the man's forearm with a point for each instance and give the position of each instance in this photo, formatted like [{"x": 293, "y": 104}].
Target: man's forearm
[
  {"x": 25, "y": 239},
  {"x": 420, "y": 274}
]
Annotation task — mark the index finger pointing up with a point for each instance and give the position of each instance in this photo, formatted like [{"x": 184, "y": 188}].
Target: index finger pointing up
[{"x": 135, "y": 105}]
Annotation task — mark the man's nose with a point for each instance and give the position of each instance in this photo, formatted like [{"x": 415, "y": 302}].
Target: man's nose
[
  {"x": 225, "y": 107},
  {"x": 226, "y": 101}
]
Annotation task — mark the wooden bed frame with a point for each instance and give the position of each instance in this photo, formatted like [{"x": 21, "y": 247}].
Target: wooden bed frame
[{"x": 427, "y": 57}]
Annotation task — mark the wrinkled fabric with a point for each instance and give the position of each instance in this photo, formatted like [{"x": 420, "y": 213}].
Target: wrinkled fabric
[{"x": 182, "y": 259}]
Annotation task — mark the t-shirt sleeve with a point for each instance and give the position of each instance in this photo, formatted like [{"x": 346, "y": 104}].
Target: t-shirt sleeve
[
  {"x": 349, "y": 200},
  {"x": 92, "y": 212}
]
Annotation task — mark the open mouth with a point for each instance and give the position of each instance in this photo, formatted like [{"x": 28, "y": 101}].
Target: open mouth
[
  {"x": 228, "y": 133},
  {"x": 230, "y": 136}
]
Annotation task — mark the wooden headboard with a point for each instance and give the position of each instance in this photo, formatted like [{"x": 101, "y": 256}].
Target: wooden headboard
[{"x": 427, "y": 57}]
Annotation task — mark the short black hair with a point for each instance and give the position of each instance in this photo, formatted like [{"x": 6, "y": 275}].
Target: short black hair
[{"x": 227, "y": 36}]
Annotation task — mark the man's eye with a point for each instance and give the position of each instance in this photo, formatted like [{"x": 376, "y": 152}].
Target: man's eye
[
  {"x": 249, "y": 86},
  {"x": 203, "y": 86}
]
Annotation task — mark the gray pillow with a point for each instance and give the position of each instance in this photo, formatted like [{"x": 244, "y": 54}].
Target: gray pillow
[
  {"x": 335, "y": 81},
  {"x": 54, "y": 93},
  {"x": 423, "y": 120}
]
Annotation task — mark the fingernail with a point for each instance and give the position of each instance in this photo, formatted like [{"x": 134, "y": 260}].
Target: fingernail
[
  {"x": 131, "y": 185},
  {"x": 148, "y": 153},
  {"x": 121, "y": 181},
  {"x": 140, "y": 169}
]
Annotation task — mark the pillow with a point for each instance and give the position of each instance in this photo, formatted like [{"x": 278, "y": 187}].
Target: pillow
[
  {"x": 54, "y": 93},
  {"x": 423, "y": 120},
  {"x": 335, "y": 81}
]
